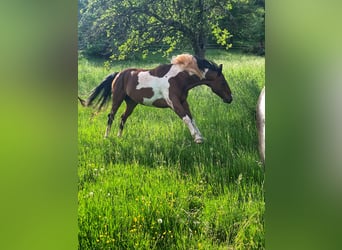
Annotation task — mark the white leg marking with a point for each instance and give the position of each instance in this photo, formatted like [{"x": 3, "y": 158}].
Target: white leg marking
[
  {"x": 193, "y": 129},
  {"x": 196, "y": 128},
  {"x": 187, "y": 121},
  {"x": 107, "y": 132},
  {"x": 120, "y": 133}
]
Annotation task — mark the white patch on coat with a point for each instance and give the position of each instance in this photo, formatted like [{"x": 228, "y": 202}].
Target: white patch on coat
[
  {"x": 194, "y": 131},
  {"x": 160, "y": 85}
]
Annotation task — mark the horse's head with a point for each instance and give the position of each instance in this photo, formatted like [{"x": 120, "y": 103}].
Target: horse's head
[
  {"x": 218, "y": 84},
  {"x": 215, "y": 79}
]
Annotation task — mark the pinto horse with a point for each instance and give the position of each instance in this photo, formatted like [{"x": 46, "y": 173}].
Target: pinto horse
[{"x": 165, "y": 86}]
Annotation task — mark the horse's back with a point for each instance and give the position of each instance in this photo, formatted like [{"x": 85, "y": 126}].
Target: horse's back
[{"x": 149, "y": 86}]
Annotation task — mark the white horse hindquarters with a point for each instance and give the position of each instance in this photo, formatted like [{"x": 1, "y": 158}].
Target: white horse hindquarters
[{"x": 261, "y": 124}]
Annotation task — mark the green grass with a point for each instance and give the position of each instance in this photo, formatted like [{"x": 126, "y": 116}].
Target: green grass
[{"x": 154, "y": 188}]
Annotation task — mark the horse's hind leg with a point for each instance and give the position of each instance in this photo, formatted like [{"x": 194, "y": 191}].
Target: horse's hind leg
[
  {"x": 117, "y": 100},
  {"x": 130, "y": 105}
]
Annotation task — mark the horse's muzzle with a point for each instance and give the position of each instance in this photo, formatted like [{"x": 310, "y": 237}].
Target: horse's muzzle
[{"x": 228, "y": 100}]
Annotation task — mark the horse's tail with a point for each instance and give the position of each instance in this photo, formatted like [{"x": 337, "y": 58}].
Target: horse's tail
[{"x": 101, "y": 93}]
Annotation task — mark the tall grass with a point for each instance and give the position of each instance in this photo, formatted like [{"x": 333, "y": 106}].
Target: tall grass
[{"x": 154, "y": 188}]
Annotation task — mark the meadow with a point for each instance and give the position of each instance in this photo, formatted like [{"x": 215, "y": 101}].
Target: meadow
[{"x": 154, "y": 188}]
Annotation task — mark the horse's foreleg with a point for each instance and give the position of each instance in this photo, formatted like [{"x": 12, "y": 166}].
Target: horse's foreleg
[
  {"x": 193, "y": 129},
  {"x": 187, "y": 110},
  {"x": 197, "y": 130},
  {"x": 130, "y": 105},
  {"x": 184, "y": 113}
]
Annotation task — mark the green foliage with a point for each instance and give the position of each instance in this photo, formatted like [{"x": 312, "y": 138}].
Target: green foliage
[
  {"x": 154, "y": 188},
  {"x": 248, "y": 25},
  {"x": 222, "y": 36},
  {"x": 132, "y": 29}
]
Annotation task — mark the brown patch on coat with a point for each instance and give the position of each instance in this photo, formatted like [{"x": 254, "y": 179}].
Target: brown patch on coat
[
  {"x": 160, "y": 103},
  {"x": 161, "y": 70},
  {"x": 179, "y": 85}
]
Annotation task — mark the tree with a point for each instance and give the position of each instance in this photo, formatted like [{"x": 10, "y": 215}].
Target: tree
[
  {"x": 125, "y": 28},
  {"x": 248, "y": 25}
]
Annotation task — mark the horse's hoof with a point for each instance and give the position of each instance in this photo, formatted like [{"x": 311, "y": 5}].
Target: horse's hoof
[{"x": 199, "y": 140}]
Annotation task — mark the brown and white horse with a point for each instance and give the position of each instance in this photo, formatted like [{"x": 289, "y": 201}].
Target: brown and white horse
[{"x": 165, "y": 86}]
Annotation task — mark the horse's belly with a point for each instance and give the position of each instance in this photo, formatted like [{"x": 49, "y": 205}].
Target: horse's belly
[
  {"x": 155, "y": 101},
  {"x": 160, "y": 103}
]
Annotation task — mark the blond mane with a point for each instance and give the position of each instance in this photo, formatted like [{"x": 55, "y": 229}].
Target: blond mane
[{"x": 188, "y": 63}]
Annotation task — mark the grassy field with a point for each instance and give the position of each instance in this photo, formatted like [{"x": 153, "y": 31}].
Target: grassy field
[{"x": 154, "y": 188}]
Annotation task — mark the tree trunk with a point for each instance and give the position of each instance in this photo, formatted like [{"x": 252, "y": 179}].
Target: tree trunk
[
  {"x": 198, "y": 45},
  {"x": 199, "y": 42}
]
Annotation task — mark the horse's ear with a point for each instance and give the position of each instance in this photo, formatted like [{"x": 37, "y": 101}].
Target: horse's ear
[
  {"x": 199, "y": 63},
  {"x": 220, "y": 70}
]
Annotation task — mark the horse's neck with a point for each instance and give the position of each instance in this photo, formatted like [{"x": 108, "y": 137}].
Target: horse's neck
[{"x": 194, "y": 82}]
